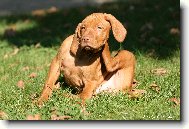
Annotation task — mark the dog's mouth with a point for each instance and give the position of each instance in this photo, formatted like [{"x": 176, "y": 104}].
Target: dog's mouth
[{"x": 90, "y": 50}]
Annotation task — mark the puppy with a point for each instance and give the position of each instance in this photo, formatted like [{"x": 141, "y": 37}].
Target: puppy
[{"x": 85, "y": 61}]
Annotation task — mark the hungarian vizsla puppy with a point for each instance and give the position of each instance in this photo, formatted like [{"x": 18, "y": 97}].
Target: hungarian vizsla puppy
[{"x": 84, "y": 59}]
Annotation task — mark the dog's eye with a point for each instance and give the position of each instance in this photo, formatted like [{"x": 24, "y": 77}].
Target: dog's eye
[
  {"x": 83, "y": 27},
  {"x": 100, "y": 28}
]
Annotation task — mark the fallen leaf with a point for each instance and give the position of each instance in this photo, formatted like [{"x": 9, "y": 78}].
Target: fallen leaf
[
  {"x": 27, "y": 21},
  {"x": 26, "y": 68},
  {"x": 174, "y": 31},
  {"x": 175, "y": 100},
  {"x": 52, "y": 10},
  {"x": 39, "y": 12},
  {"x": 136, "y": 93},
  {"x": 33, "y": 75},
  {"x": 3, "y": 115},
  {"x": 38, "y": 45},
  {"x": 155, "y": 87},
  {"x": 20, "y": 84},
  {"x": 159, "y": 71},
  {"x": 151, "y": 52},
  {"x": 55, "y": 117},
  {"x": 12, "y": 65},
  {"x": 33, "y": 117},
  {"x": 39, "y": 68},
  {"x": 15, "y": 51}
]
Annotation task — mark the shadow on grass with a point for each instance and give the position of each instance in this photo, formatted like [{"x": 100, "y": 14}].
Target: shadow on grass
[{"x": 148, "y": 24}]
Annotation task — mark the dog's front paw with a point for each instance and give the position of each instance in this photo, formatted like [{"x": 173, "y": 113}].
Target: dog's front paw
[{"x": 41, "y": 100}]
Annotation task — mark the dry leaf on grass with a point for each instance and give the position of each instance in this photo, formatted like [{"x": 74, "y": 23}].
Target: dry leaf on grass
[
  {"x": 3, "y": 115},
  {"x": 26, "y": 68},
  {"x": 20, "y": 84},
  {"x": 12, "y": 65},
  {"x": 174, "y": 31},
  {"x": 155, "y": 87},
  {"x": 43, "y": 12},
  {"x": 159, "y": 71},
  {"x": 40, "y": 68},
  {"x": 151, "y": 52},
  {"x": 136, "y": 93},
  {"x": 56, "y": 117},
  {"x": 52, "y": 10},
  {"x": 39, "y": 12},
  {"x": 33, "y": 117},
  {"x": 175, "y": 100},
  {"x": 14, "y": 52},
  {"x": 38, "y": 45},
  {"x": 33, "y": 75},
  {"x": 27, "y": 21}
]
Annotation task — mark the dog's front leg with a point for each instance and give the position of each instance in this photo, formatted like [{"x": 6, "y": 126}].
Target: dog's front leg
[
  {"x": 52, "y": 77},
  {"x": 87, "y": 92}
]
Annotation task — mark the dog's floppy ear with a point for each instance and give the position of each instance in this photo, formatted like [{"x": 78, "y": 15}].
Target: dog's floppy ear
[
  {"x": 75, "y": 42},
  {"x": 118, "y": 29},
  {"x": 77, "y": 31}
]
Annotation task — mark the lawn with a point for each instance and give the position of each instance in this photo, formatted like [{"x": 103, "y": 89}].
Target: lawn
[{"x": 29, "y": 42}]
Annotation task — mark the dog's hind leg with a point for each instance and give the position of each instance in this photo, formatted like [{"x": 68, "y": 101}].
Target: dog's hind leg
[
  {"x": 52, "y": 77},
  {"x": 122, "y": 78}
]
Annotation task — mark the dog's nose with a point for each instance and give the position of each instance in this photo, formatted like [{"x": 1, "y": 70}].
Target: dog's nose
[{"x": 86, "y": 39}]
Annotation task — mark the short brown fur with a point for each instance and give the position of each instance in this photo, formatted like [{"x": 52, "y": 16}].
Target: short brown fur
[{"x": 85, "y": 60}]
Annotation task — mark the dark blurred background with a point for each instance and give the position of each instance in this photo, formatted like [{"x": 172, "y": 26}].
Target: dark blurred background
[{"x": 153, "y": 25}]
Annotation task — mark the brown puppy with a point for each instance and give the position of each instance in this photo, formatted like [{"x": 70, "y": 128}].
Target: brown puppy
[{"x": 84, "y": 59}]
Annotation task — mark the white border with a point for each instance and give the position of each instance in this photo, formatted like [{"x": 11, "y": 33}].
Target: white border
[{"x": 129, "y": 125}]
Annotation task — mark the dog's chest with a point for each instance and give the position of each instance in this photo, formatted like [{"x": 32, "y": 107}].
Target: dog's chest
[{"x": 78, "y": 74}]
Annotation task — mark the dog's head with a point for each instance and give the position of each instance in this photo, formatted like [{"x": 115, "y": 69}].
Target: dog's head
[{"x": 93, "y": 32}]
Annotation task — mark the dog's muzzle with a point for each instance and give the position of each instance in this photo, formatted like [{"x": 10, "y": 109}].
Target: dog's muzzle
[{"x": 88, "y": 48}]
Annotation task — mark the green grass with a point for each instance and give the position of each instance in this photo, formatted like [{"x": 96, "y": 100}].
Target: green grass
[{"x": 50, "y": 31}]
